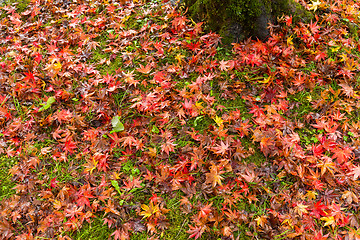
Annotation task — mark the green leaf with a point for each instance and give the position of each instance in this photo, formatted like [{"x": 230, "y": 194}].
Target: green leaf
[
  {"x": 117, "y": 125},
  {"x": 135, "y": 171},
  {"x": 197, "y": 119},
  {"x": 48, "y": 104},
  {"x": 155, "y": 129},
  {"x": 115, "y": 184}
]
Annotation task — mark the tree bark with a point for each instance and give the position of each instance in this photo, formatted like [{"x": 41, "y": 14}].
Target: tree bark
[{"x": 238, "y": 19}]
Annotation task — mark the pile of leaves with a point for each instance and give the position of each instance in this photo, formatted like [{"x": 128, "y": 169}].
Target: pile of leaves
[{"x": 108, "y": 110}]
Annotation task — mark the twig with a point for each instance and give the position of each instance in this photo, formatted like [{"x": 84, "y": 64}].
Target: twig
[{"x": 182, "y": 225}]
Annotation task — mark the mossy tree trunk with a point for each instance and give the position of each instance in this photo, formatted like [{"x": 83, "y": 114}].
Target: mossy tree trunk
[{"x": 239, "y": 19}]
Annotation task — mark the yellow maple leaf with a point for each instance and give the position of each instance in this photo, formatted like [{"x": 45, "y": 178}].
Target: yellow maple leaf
[
  {"x": 300, "y": 209},
  {"x": 288, "y": 221},
  {"x": 311, "y": 195},
  {"x": 90, "y": 166},
  {"x": 179, "y": 57},
  {"x": 149, "y": 210},
  {"x": 218, "y": 120},
  {"x": 315, "y": 5},
  {"x": 289, "y": 41},
  {"x": 261, "y": 220},
  {"x": 328, "y": 221},
  {"x": 199, "y": 105}
]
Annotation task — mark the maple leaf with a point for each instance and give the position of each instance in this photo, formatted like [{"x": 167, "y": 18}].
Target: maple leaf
[
  {"x": 168, "y": 146},
  {"x": 320, "y": 56},
  {"x": 6, "y": 229},
  {"x": 120, "y": 234},
  {"x": 328, "y": 221},
  {"x": 326, "y": 165},
  {"x": 342, "y": 154},
  {"x": 311, "y": 195},
  {"x": 63, "y": 116},
  {"x": 179, "y": 22},
  {"x": 226, "y": 65},
  {"x": 214, "y": 176},
  {"x": 133, "y": 183},
  {"x": 220, "y": 149},
  {"x": 74, "y": 211},
  {"x": 149, "y": 210},
  {"x": 128, "y": 141},
  {"x": 69, "y": 145},
  {"x": 318, "y": 209},
  {"x": 320, "y": 236},
  {"x": 145, "y": 70},
  {"x": 30, "y": 76},
  {"x": 53, "y": 67},
  {"x": 355, "y": 172},
  {"x": 90, "y": 166},
  {"x": 350, "y": 197},
  {"x": 193, "y": 46},
  {"x": 196, "y": 232},
  {"x": 243, "y": 128},
  {"x": 301, "y": 209},
  {"x": 261, "y": 220},
  {"x": 91, "y": 134},
  {"x": 205, "y": 211},
  {"x": 109, "y": 78},
  {"x": 218, "y": 120},
  {"x": 266, "y": 145},
  {"x": 53, "y": 183},
  {"x": 249, "y": 176},
  {"x": 347, "y": 89}
]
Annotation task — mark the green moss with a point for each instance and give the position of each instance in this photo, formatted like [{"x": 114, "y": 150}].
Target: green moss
[
  {"x": 258, "y": 157},
  {"x": 6, "y": 184},
  {"x": 21, "y": 5},
  {"x": 200, "y": 123},
  {"x": 221, "y": 15}
]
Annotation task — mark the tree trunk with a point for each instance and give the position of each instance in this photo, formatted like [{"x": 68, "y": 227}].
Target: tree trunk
[{"x": 238, "y": 19}]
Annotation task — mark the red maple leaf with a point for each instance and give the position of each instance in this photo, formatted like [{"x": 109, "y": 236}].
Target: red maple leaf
[
  {"x": 147, "y": 69},
  {"x": 318, "y": 210},
  {"x": 168, "y": 146},
  {"x": 120, "y": 234},
  {"x": 355, "y": 172},
  {"x": 342, "y": 154},
  {"x": 195, "y": 232},
  {"x": 179, "y": 22},
  {"x": 70, "y": 145},
  {"x": 63, "y": 116},
  {"x": 220, "y": 148},
  {"x": 205, "y": 211},
  {"x": 132, "y": 183}
]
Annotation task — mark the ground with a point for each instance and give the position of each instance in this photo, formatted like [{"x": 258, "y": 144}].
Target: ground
[{"x": 128, "y": 121}]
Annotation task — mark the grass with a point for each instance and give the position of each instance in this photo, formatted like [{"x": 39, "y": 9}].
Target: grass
[
  {"x": 20, "y": 5},
  {"x": 6, "y": 183},
  {"x": 92, "y": 231}
]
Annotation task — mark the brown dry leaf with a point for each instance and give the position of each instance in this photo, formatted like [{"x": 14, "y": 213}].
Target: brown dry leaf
[
  {"x": 214, "y": 176},
  {"x": 350, "y": 197}
]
